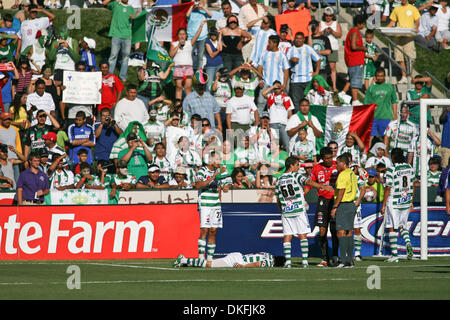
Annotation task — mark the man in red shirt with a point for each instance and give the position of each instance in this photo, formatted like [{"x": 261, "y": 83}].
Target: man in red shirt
[
  {"x": 325, "y": 173},
  {"x": 354, "y": 57},
  {"x": 111, "y": 88}
]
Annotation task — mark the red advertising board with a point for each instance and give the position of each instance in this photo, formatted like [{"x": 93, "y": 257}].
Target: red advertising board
[{"x": 98, "y": 232}]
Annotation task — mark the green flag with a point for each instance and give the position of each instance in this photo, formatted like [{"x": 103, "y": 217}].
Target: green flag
[{"x": 158, "y": 54}]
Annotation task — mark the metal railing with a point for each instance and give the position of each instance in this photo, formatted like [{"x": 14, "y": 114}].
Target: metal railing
[{"x": 408, "y": 65}]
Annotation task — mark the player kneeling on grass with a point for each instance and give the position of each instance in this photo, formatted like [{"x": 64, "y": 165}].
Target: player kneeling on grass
[
  {"x": 233, "y": 260},
  {"x": 291, "y": 201},
  {"x": 398, "y": 202}
]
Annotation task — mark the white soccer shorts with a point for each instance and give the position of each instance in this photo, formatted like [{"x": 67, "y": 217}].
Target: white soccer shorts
[
  {"x": 210, "y": 217},
  {"x": 358, "y": 220},
  {"x": 295, "y": 225},
  {"x": 228, "y": 261},
  {"x": 395, "y": 218}
]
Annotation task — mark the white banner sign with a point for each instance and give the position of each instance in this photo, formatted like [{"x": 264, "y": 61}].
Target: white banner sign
[{"x": 82, "y": 87}]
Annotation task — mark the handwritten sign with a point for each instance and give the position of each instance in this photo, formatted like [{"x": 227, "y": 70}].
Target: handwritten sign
[{"x": 82, "y": 87}]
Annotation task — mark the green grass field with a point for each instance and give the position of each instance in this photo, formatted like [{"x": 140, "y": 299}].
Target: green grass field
[{"x": 157, "y": 280}]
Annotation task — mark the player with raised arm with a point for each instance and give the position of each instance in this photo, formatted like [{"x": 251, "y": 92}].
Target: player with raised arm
[
  {"x": 209, "y": 207},
  {"x": 233, "y": 260},
  {"x": 291, "y": 201},
  {"x": 398, "y": 202}
]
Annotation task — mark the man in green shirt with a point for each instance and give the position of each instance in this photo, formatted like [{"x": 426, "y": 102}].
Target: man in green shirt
[
  {"x": 120, "y": 33},
  {"x": 384, "y": 95},
  {"x": 422, "y": 90},
  {"x": 137, "y": 159}
]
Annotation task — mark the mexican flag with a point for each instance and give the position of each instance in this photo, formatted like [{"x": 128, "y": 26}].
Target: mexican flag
[
  {"x": 166, "y": 18},
  {"x": 338, "y": 121},
  {"x": 78, "y": 197}
]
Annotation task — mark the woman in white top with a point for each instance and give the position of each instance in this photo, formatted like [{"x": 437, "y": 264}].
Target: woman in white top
[
  {"x": 332, "y": 29},
  {"x": 181, "y": 53}
]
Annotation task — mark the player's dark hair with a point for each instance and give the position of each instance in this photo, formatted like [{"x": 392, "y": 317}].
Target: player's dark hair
[
  {"x": 397, "y": 156},
  {"x": 80, "y": 114},
  {"x": 381, "y": 165},
  {"x": 348, "y": 155},
  {"x": 290, "y": 162},
  {"x": 343, "y": 158},
  {"x": 325, "y": 151},
  {"x": 358, "y": 19},
  {"x": 274, "y": 38},
  {"x": 370, "y": 31},
  {"x": 278, "y": 261}
]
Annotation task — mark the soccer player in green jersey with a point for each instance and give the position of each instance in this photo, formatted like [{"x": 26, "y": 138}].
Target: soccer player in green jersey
[
  {"x": 233, "y": 260},
  {"x": 398, "y": 202},
  {"x": 291, "y": 201},
  {"x": 209, "y": 207}
]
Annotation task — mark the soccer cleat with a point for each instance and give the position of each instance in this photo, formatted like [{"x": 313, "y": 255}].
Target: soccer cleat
[
  {"x": 287, "y": 265},
  {"x": 409, "y": 251},
  {"x": 323, "y": 263},
  {"x": 177, "y": 262},
  {"x": 340, "y": 265},
  {"x": 392, "y": 259},
  {"x": 348, "y": 265},
  {"x": 305, "y": 264}
]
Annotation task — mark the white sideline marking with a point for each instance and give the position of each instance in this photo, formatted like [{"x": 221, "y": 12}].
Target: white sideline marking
[
  {"x": 208, "y": 280},
  {"x": 128, "y": 266}
]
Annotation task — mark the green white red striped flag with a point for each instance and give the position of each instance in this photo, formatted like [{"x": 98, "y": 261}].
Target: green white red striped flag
[{"x": 338, "y": 121}]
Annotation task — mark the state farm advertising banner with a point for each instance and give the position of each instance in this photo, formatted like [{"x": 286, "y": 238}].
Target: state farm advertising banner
[{"x": 98, "y": 232}]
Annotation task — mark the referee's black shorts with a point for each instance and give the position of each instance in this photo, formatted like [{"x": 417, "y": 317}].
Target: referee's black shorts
[{"x": 323, "y": 212}]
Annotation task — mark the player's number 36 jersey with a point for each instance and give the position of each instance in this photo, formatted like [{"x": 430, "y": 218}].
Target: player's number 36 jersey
[{"x": 289, "y": 191}]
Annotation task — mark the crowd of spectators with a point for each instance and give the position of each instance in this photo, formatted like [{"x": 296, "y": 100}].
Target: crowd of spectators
[{"x": 239, "y": 75}]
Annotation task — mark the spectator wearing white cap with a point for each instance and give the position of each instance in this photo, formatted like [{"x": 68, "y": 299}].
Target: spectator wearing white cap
[
  {"x": 378, "y": 150},
  {"x": 179, "y": 179},
  {"x": 239, "y": 109},
  {"x": 153, "y": 180},
  {"x": 260, "y": 136},
  {"x": 87, "y": 53}
]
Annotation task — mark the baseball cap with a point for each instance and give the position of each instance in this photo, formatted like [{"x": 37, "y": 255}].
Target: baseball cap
[
  {"x": 153, "y": 168},
  {"x": 5, "y": 115},
  {"x": 90, "y": 42},
  {"x": 180, "y": 170},
  {"x": 328, "y": 10},
  {"x": 265, "y": 114},
  {"x": 372, "y": 172},
  {"x": 239, "y": 84},
  {"x": 43, "y": 152},
  {"x": 131, "y": 136},
  {"x": 122, "y": 164},
  {"x": 50, "y": 136}
]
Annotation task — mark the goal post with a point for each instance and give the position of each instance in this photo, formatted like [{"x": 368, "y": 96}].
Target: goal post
[{"x": 424, "y": 103}]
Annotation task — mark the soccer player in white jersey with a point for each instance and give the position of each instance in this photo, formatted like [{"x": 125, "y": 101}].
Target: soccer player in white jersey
[
  {"x": 398, "y": 202},
  {"x": 233, "y": 260},
  {"x": 291, "y": 201},
  {"x": 209, "y": 207}
]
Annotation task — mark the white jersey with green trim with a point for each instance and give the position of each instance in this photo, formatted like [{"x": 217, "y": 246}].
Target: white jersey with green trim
[
  {"x": 400, "y": 178},
  {"x": 209, "y": 195},
  {"x": 289, "y": 190},
  {"x": 265, "y": 258}
]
